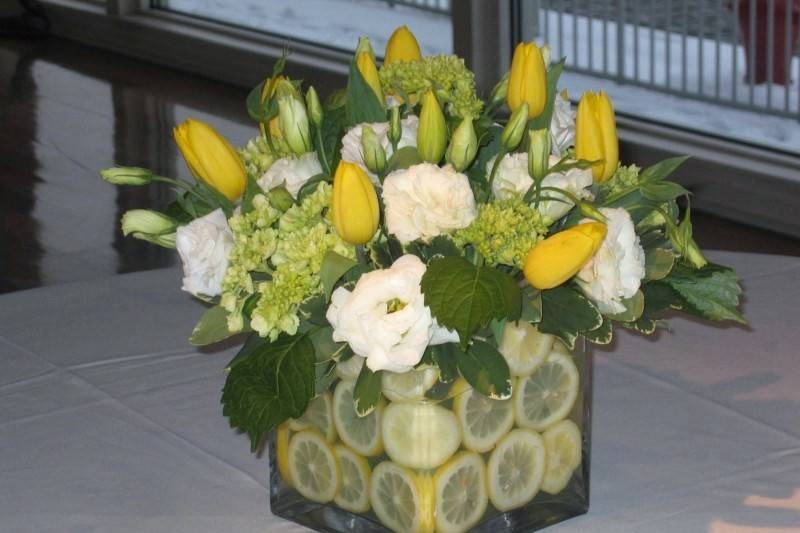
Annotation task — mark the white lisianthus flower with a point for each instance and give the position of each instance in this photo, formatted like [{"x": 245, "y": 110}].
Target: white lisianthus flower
[
  {"x": 385, "y": 318},
  {"x": 203, "y": 246},
  {"x": 351, "y": 142},
  {"x": 291, "y": 172},
  {"x": 617, "y": 269},
  {"x": 512, "y": 179},
  {"x": 426, "y": 200},
  {"x": 562, "y": 126}
]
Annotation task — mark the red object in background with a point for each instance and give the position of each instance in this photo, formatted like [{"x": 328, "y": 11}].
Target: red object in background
[{"x": 761, "y": 55}]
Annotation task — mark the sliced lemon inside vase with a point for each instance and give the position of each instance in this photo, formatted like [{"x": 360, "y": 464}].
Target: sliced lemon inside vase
[
  {"x": 563, "y": 446},
  {"x": 401, "y": 499},
  {"x": 547, "y": 395},
  {"x": 524, "y": 347},
  {"x": 350, "y": 369},
  {"x": 408, "y": 386},
  {"x": 353, "y": 492},
  {"x": 420, "y": 435},
  {"x": 460, "y": 493},
  {"x": 361, "y": 434},
  {"x": 312, "y": 466},
  {"x": 516, "y": 469},
  {"x": 319, "y": 416},
  {"x": 282, "y": 451},
  {"x": 483, "y": 420}
]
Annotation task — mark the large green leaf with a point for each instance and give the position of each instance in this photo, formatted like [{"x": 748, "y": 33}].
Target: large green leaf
[
  {"x": 464, "y": 297},
  {"x": 566, "y": 313},
  {"x": 711, "y": 292},
  {"x": 274, "y": 383},
  {"x": 362, "y": 103},
  {"x": 634, "y": 307},
  {"x": 485, "y": 368},
  {"x": 542, "y": 121},
  {"x": 212, "y": 327},
  {"x": 658, "y": 263},
  {"x": 367, "y": 391},
  {"x": 601, "y": 335},
  {"x": 444, "y": 356},
  {"x": 662, "y": 191},
  {"x": 334, "y": 266},
  {"x": 403, "y": 158},
  {"x": 662, "y": 169}
]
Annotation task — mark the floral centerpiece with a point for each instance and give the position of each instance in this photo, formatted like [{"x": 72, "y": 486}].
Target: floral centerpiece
[{"x": 415, "y": 278}]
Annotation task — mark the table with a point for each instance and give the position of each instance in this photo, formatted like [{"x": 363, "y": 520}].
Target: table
[{"x": 110, "y": 422}]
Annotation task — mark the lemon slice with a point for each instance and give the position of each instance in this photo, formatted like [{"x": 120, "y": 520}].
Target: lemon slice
[
  {"x": 461, "y": 498},
  {"x": 547, "y": 395},
  {"x": 353, "y": 492},
  {"x": 563, "y": 445},
  {"x": 483, "y": 420},
  {"x": 516, "y": 468},
  {"x": 312, "y": 467},
  {"x": 402, "y": 500},
  {"x": 523, "y": 347},
  {"x": 319, "y": 416},
  {"x": 362, "y": 434},
  {"x": 408, "y": 386},
  {"x": 282, "y": 451},
  {"x": 420, "y": 435},
  {"x": 350, "y": 369},
  {"x": 560, "y": 347}
]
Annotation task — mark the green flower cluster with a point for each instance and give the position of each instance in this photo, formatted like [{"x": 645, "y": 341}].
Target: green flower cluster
[
  {"x": 624, "y": 178},
  {"x": 504, "y": 232},
  {"x": 453, "y": 82},
  {"x": 257, "y": 155},
  {"x": 285, "y": 251}
]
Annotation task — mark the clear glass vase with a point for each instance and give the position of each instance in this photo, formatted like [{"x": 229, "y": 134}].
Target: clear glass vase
[{"x": 441, "y": 457}]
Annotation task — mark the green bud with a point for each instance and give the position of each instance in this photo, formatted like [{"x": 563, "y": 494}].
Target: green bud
[
  {"x": 150, "y": 226},
  {"x": 499, "y": 92},
  {"x": 280, "y": 199},
  {"x": 127, "y": 175},
  {"x": 512, "y": 134},
  {"x": 590, "y": 211},
  {"x": 432, "y": 132},
  {"x": 294, "y": 124},
  {"x": 364, "y": 45},
  {"x": 395, "y": 127},
  {"x": 463, "y": 145},
  {"x": 681, "y": 238},
  {"x": 374, "y": 154},
  {"x": 539, "y": 154},
  {"x": 314, "y": 107}
]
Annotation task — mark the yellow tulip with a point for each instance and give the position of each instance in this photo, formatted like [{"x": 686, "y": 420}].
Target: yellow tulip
[
  {"x": 354, "y": 208},
  {"x": 596, "y": 134},
  {"x": 432, "y": 132},
  {"x": 366, "y": 66},
  {"x": 267, "y": 91},
  {"x": 211, "y": 158},
  {"x": 402, "y": 47},
  {"x": 559, "y": 257},
  {"x": 527, "y": 80}
]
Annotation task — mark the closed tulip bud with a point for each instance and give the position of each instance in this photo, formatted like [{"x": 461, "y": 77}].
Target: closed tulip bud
[
  {"x": 354, "y": 208},
  {"x": 294, "y": 124},
  {"x": 364, "y": 45},
  {"x": 539, "y": 154},
  {"x": 211, "y": 158},
  {"x": 314, "y": 107},
  {"x": 402, "y": 47},
  {"x": 499, "y": 92},
  {"x": 127, "y": 175},
  {"x": 596, "y": 135},
  {"x": 150, "y": 226},
  {"x": 527, "y": 80},
  {"x": 562, "y": 255},
  {"x": 366, "y": 66},
  {"x": 515, "y": 128},
  {"x": 432, "y": 132},
  {"x": 374, "y": 154},
  {"x": 463, "y": 145},
  {"x": 395, "y": 127}
]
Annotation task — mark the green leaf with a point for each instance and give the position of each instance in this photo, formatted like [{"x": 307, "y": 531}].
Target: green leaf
[
  {"x": 313, "y": 310},
  {"x": 477, "y": 171},
  {"x": 385, "y": 251},
  {"x": 252, "y": 189},
  {"x": 711, "y": 292},
  {"x": 566, "y": 313},
  {"x": 212, "y": 327},
  {"x": 333, "y": 267},
  {"x": 662, "y": 191},
  {"x": 274, "y": 383},
  {"x": 332, "y": 131},
  {"x": 662, "y": 169},
  {"x": 543, "y": 120},
  {"x": 254, "y": 106},
  {"x": 601, "y": 335},
  {"x": 367, "y": 391},
  {"x": 445, "y": 356},
  {"x": 485, "y": 368},
  {"x": 658, "y": 263},
  {"x": 464, "y": 297},
  {"x": 659, "y": 296},
  {"x": 403, "y": 158},
  {"x": 531, "y": 304},
  {"x": 254, "y": 340},
  {"x": 634, "y": 307},
  {"x": 310, "y": 186},
  {"x": 440, "y": 246},
  {"x": 362, "y": 103},
  {"x": 646, "y": 326}
]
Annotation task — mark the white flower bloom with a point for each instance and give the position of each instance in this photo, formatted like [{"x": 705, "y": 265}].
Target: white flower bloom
[
  {"x": 351, "y": 142},
  {"x": 291, "y": 172},
  {"x": 617, "y": 269},
  {"x": 562, "y": 126},
  {"x": 426, "y": 200},
  {"x": 385, "y": 318},
  {"x": 203, "y": 245},
  {"x": 512, "y": 179}
]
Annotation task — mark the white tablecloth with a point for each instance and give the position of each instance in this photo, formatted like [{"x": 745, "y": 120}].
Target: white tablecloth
[{"x": 110, "y": 422}]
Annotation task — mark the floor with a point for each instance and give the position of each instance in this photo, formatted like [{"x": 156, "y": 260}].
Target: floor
[{"x": 68, "y": 110}]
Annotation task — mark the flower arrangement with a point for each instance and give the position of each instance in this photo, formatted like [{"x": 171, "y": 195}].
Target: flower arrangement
[{"x": 402, "y": 239}]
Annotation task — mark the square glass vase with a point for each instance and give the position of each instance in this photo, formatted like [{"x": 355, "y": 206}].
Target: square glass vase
[{"x": 437, "y": 456}]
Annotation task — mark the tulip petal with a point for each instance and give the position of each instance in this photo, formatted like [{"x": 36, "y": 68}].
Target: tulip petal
[
  {"x": 402, "y": 47},
  {"x": 562, "y": 255}
]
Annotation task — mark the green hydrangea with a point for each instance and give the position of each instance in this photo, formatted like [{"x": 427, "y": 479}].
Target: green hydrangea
[
  {"x": 453, "y": 82},
  {"x": 624, "y": 178},
  {"x": 504, "y": 232},
  {"x": 257, "y": 155}
]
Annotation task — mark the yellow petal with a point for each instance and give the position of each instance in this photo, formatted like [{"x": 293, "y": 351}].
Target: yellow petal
[
  {"x": 402, "y": 47},
  {"x": 559, "y": 257},
  {"x": 219, "y": 164},
  {"x": 604, "y": 110},
  {"x": 527, "y": 81},
  {"x": 366, "y": 66},
  {"x": 354, "y": 208},
  {"x": 589, "y": 136}
]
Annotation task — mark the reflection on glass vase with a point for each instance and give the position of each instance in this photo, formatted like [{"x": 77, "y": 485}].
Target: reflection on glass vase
[{"x": 436, "y": 456}]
